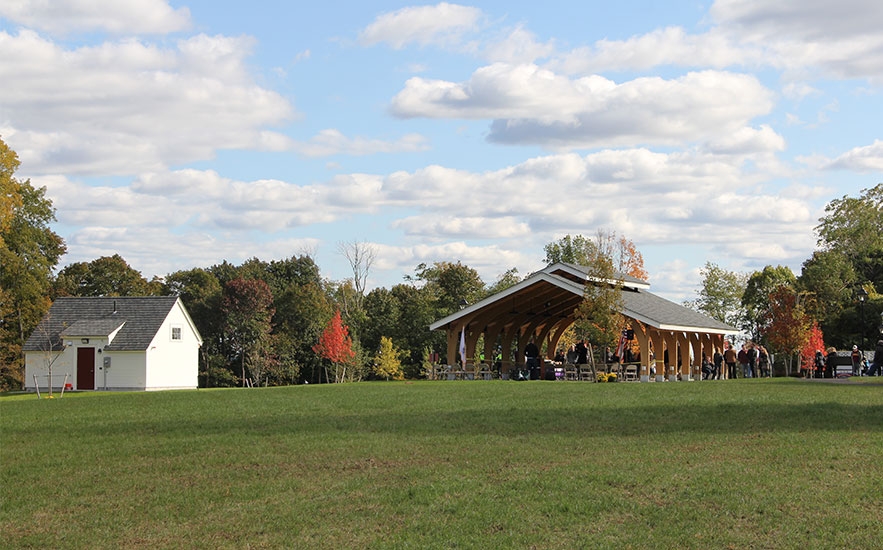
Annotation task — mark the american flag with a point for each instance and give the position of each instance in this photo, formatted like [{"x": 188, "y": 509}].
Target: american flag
[
  {"x": 463, "y": 346},
  {"x": 621, "y": 348}
]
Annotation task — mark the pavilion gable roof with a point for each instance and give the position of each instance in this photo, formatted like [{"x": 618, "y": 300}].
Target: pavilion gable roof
[{"x": 563, "y": 284}]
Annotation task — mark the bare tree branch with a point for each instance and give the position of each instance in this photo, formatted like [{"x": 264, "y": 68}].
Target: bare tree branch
[{"x": 360, "y": 256}]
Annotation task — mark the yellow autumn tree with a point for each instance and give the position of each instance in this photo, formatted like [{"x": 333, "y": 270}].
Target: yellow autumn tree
[{"x": 387, "y": 362}]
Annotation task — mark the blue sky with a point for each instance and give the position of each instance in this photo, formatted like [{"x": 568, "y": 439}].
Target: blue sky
[{"x": 181, "y": 134}]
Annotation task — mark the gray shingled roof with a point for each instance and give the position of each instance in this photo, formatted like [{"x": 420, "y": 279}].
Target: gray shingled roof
[
  {"x": 92, "y": 327},
  {"x": 662, "y": 313},
  {"x": 140, "y": 317}
]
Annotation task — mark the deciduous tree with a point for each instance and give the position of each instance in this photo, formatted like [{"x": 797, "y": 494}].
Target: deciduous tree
[
  {"x": 387, "y": 364},
  {"x": 504, "y": 281},
  {"x": 301, "y": 314},
  {"x": 450, "y": 285},
  {"x": 336, "y": 346},
  {"x": 786, "y": 325},
  {"x": 104, "y": 276},
  {"x": 720, "y": 294},
  {"x": 853, "y": 227},
  {"x": 756, "y": 298},
  {"x": 815, "y": 341},
  {"x": 598, "y": 317},
  {"x": 572, "y": 249},
  {"x": 360, "y": 256},
  {"x": 248, "y": 311},
  {"x": 581, "y": 250},
  {"x": 201, "y": 293},
  {"x": 629, "y": 260},
  {"x": 29, "y": 251}
]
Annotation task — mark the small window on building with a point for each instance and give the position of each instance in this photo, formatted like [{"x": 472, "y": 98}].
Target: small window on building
[{"x": 176, "y": 333}]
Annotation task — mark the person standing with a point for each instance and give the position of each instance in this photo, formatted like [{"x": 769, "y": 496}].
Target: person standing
[
  {"x": 743, "y": 360},
  {"x": 752, "y": 360},
  {"x": 818, "y": 365},
  {"x": 856, "y": 361},
  {"x": 831, "y": 363},
  {"x": 532, "y": 354},
  {"x": 582, "y": 353},
  {"x": 763, "y": 362},
  {"x": 730, "y": 360},
  {"x": 877, "y": 362},
  {"x": 718, "y": 364}
]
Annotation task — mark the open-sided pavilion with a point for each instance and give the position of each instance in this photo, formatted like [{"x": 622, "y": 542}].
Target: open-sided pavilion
[{"x": 544, "y": 305}]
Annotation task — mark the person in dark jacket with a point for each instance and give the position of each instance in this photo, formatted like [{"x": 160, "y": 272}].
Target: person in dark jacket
[
  {"x": 818, "y": 365},
  {"x": 582, "y": 352},
  {"x": 877, "y": 363},
  {"x": 831, "y": 363}
]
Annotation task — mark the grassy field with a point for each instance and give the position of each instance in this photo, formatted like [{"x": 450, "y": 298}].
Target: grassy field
[{"x": 727, "y": 464}]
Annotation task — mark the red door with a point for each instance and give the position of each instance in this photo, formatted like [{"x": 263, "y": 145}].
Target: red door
[{"x": 85, "y": 368}]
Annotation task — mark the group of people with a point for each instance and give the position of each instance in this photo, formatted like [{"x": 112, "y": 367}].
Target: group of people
[
  {"x": 753, "y": 361},
  {"x": 825, "y": 365},
  {"x": 578, "y": 353}
]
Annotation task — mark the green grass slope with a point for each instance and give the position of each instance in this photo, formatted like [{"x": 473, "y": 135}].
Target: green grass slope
[{"x": 731, "y": 464}]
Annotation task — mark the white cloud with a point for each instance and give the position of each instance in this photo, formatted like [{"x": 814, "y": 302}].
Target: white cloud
[
  {"x": 442, "y": 24},
  {"x": 747, "y": 141},
  {"x": 332, "y": 142},
  {"x": 534, "y": 105},
  {"x": 796, "y": 91},
  {"x": 808, "y": 20},
  {"x": 128, "y": 18},
  {"x": 668, "y": 46},
  {"x": 489, "y": 261},
  {"x": 156, "y": 106},
  {"x": 863, "y": 160},
  {"x": 518, "y": 46},
  {"x": 841, "y": 38},
  {"x": 478, "y": 227},
  {"x": 489, "y": 220}
]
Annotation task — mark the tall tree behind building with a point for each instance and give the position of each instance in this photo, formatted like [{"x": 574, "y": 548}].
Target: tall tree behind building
[{"x": 29, "y": 251}]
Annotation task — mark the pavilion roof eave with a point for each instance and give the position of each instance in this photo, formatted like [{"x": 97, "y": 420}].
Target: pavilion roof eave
[
  {"x": 555, "y": 280},
  {"x": 658, "y": 325},
  {"x": 679, "y": 328}
]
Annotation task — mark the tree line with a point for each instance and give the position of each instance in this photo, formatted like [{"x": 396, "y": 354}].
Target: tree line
[
  {"x": 833, "y": 302},
  {"x": 279, "y": 322}
]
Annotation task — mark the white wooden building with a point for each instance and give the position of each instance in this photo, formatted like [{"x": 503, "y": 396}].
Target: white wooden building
[{"x": 114, "y": 343}]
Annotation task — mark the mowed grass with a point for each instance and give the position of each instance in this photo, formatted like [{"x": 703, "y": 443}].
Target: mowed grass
[{"x": 726, "y": 464}]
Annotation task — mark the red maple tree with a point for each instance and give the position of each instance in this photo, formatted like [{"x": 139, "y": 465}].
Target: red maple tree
[
  {"x": 786, "y": 325},
  {"x": 814, "y": 343},
  {"x": 336, "y": 345}
]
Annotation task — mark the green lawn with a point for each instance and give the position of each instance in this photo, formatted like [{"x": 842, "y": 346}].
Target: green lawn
[{"x": 726, "y": 464}]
